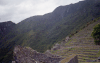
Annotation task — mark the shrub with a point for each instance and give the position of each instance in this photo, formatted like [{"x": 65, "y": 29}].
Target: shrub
[{"x": 96, "y": 34}]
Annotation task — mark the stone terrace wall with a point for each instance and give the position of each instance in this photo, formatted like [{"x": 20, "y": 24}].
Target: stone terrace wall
[{"x": 71, "y": 59}]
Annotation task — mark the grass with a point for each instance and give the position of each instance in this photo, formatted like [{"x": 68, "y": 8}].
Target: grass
[
  {"x": 68, "y": 42},
  {"x": 81, "y": 44},
  {"x": 98, "y": 54}
]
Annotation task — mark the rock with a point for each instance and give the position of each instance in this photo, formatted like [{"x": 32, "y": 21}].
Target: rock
[
  {"x": 23, "y": 55},
  {"x": 67, "y": 38},
  {"x": 57, "y": 46},
  {"x": 91, "y": 61},
  {"x": 98, "y": 59},
  {"x": 13, "y": 62},
  {"x": 49, "y": 54},
  {"x": 28, "y": 55}
]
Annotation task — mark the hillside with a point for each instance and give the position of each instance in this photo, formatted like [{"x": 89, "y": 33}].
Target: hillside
[
  {"x": 5, "y": 28},
  {"x": 42, "y": 32},
  {"x": 81, "y": 44},
  {"x": 6, "y": 48}
]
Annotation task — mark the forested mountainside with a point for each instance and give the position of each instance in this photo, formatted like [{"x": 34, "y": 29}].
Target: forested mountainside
[
  {"x": 42, "y": 32},
  {"x": 6, "y": 49},
  {"x": 5, "y": 28}
]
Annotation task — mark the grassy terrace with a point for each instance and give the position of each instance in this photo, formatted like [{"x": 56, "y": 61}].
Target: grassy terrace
[{"x": 81, "y": 44}]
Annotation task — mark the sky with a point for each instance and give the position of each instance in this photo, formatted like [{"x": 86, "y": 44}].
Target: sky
[{"x": 18, "y": 10}]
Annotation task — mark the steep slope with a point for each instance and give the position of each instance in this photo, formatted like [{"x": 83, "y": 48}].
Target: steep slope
[
  {"x": 41, "y": 32},
  {"x": 5, "y": 28},
  {"x": 81, "y": 44},
  {"x": 6, "y": 48}
]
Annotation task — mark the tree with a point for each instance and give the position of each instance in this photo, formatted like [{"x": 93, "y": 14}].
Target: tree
[{"x": 96, "y": 34}]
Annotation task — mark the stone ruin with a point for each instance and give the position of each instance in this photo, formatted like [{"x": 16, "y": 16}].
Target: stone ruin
[
  {"x": 71, "y": 59},
  {"x": 49, "y": 54},
  {"x": 28, "y": 55},
  {"x": 67, "y": 38},
  {"x": 56, "y": 47}
]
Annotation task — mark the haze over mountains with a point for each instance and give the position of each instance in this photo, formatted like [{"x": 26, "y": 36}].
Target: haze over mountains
[{"x": 42, "y": 32}]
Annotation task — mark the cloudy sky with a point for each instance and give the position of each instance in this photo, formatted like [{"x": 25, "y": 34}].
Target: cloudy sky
[{"x": 18, "y": 10}]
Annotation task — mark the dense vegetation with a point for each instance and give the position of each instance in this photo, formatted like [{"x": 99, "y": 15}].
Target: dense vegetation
[
  {"x": 6, "y": 48},
  {"x": 96, "y": 34}
]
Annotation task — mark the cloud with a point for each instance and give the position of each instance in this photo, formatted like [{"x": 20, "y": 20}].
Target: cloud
[{"x": 17, "y": 10}]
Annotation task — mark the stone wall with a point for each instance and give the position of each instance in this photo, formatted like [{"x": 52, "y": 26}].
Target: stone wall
[
  {"x": 73, "y": 60},
  {"x": 56, "y": 47}
]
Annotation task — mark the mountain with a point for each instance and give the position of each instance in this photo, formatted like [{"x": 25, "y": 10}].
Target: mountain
[
  {"x": 5, "y": 28},
  {"x": 6, "y": 50},
  {"x": 42, "y": 32}
]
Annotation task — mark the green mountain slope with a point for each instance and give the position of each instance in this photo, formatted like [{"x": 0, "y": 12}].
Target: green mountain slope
[
  {"x": 6, "y": 49},
  {"x": 41, "y": 32},
  {"x": 81, "y": 44}
]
